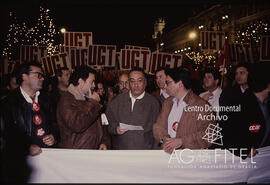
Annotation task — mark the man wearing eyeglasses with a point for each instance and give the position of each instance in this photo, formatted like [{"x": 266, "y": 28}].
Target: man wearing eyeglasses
[
  {"x": 178, "y": 126},
  {"x": 131, "y": 116},
  {"x": 27, "y": 111}
]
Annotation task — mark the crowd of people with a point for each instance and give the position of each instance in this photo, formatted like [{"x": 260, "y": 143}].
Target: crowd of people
[{"x": 66, "y": 113}]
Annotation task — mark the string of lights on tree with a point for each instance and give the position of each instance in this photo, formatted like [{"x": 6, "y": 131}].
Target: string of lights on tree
[
  {"x": 251, "y": 33},
  {"x": 42, "y": 34},
  {"x": 199, "y": 57}
]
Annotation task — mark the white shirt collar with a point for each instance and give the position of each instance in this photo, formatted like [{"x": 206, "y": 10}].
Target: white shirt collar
[
  {"x": 242, "y": 89},
  {"x": 175, "y": 99},
  {"x": 27, "y": 97},
  {"x": 139, "y": 97},
  {"x": 164, "y": 93},
  {"x": 217, "y": 90}
]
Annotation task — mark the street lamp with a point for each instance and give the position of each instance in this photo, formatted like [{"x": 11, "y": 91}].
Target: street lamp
[
  {"x": 63, "y": 30},
  {"x": 192, "y": 35}
]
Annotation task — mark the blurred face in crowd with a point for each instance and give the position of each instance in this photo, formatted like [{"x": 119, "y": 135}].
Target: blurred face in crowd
[
  {"x": 137, "y": 83},
  {"x": 123, "y": 83},
  {"x": 89, "y": 83},
  {"x": 171, "y": 87},
  {"x": 34, "y": 79},
  {"x": 100, "y": 89},
  {"x": 241, "y": 76},
  {"x": 209, "y": 82},
  {"x": 160, "y": 79},
  {"x": 13, "y": 84},
  {"x": 64, "y": 79}
]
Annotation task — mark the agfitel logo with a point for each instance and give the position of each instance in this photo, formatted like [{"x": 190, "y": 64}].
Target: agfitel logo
[{"x": 213, "y": 134}]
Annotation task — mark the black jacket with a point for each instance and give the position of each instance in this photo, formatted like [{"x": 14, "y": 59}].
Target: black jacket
[
  {"x": 16, "y": 116},
  {"x": 240, "y": 129}
]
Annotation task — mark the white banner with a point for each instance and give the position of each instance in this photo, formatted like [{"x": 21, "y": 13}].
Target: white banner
[
  {"x": 130, "y": 58},
  {"x": 78, "y": 39},
  {"x": 148, "y": 166},
  {"x": 51, "y": 63},
  {"x": 136, "y": 47},
  {"x": 164, "y": 60}
]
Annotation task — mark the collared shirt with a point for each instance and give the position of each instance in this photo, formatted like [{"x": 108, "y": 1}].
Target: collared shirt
[
  {"x": 164, "y": 93},
  {"x": 242, "y": 89},
  {"x": 134, "y": 99},
  {"x": 265, "y": 111},
  {"x": 213, "y": 100},
  {"x": 175, "y": 114},
  {"x": 27, "y": 97}
]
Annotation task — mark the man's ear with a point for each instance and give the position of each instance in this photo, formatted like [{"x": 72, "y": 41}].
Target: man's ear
[
  {"x": 217, "y": 82},
  {"x": 24, "y": 77},
  {"x": 180, "y": 84},
  {"x": 80, "y": 81}
]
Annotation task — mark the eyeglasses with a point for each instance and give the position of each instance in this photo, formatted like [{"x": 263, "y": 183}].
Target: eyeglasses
[
  {"x": 40, "y": 75},
  {"x": 168, "y": 82}
]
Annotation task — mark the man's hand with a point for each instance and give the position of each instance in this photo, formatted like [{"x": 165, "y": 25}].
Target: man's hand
[
  {"x": 34, "y": 150},
  {"x": 49, "y": 140},
  {"x": 120, "y": 130},
  {"x": 207, "y": 96},
  {"x": 172, "y": 143},
  {"x": 252, "y": 153},
  {"x": 102, "y": 147},
  {"x": 93, "y": 95}
]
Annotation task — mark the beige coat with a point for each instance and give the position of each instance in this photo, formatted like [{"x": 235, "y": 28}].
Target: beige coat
[{"x": 190, "y": 129}]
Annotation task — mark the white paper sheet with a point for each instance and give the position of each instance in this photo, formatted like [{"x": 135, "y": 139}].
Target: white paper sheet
[{"x": 130, "y": 127}]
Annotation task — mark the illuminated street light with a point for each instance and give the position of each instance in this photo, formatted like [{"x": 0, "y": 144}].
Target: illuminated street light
[
  {"x": 63, "y": 30},
  {"x": 192, "y": 35}
]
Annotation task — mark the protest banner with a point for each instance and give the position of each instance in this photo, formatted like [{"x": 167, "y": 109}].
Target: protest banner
[
  {"x": 161, "y": 59},
  {"x": 51, "y": 63},
  {"x": 212, "y": 40},
  {"x": 32, "y": 53},
  {"x": 130, "y": 58},
  {"x": 78, "y": 39}
]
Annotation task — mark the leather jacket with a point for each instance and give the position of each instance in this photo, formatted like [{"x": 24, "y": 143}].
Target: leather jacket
[{"x": 16, "y": 114}]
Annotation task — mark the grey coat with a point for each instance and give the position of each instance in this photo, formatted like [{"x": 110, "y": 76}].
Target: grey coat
[{"x": 145, "y": 113}]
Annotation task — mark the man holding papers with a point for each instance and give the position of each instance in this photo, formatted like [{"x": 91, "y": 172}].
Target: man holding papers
[{"x": 131, "y": 116}]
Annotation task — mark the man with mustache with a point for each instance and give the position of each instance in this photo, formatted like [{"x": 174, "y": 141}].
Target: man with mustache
[
  {"x": 123, "y": 83},
  {"x": 133, "y": 108}
]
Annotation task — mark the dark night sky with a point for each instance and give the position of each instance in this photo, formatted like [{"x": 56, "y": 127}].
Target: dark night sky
[{"x": 112, "y": 22}]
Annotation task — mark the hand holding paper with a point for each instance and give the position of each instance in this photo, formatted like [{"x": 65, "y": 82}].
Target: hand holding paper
[{"x": 130, "y": 127}]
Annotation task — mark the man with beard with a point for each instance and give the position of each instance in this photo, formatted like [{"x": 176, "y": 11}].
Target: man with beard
[
  {"x": 131, "y": 116},
  {"x": 123, "y": 83}
]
